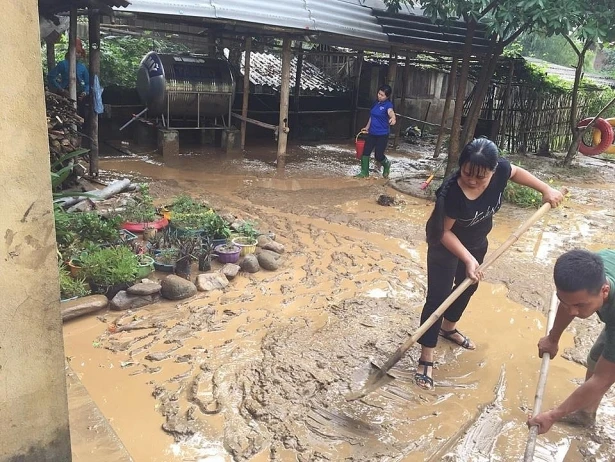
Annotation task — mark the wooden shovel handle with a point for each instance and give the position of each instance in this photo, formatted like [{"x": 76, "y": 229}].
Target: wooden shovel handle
[
  {"x": 542, "y": 382},
  {"x": 464, "y": 285}
]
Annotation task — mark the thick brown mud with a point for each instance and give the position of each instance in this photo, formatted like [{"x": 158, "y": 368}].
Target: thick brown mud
[{"x": 260, "y": 371}]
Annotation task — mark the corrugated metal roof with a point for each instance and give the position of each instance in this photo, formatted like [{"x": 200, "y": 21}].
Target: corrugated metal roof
[
  {"x": 265, "y": 69},
  {"x": 339, "y": 17}
]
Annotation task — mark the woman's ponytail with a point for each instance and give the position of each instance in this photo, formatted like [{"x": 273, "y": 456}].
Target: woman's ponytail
[{"x": 434, "y": 229}]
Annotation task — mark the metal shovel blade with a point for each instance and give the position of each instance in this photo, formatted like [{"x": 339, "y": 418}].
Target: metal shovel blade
[{"x": 377, "y": 378}]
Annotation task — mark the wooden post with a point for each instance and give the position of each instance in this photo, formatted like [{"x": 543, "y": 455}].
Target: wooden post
[
  {"x": 72, "y": 56},
  {"x": 402, "y": 104},
  {"x": 452, "y": 82},
  {"x": 284, "y": 96},
  {"x": 355, "y": 98},
  {"x": 94, "y": 45},
  {"x": 297, "y": 89},
  {"x": 392, "y": 74},
  {"x": 50, "y": 47},
  {"x": 246, "y": 90}
]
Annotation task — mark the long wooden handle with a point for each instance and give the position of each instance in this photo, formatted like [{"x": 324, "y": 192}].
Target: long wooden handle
[
  {"x": 542, "y": 382},
  {"x": 464, "y": 285}
]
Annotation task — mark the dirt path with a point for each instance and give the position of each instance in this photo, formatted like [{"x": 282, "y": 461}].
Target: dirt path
[{"x": 259, "y": 372}]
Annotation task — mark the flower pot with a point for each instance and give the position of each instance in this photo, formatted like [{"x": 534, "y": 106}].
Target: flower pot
[
  {"x": 139, "y": 227},
  {"x": 146, "y": 266},
  {"x": 246, "y": 244},
  {"x": 205, "y": 264},
  {"x": 127, "y": 236},
  {"x": 75, "y": 267},
  {"x": 183, "y": 268},
  {"x": 180, "y": 232},
  {"x": 227, "y": 254},
  {"x": 218, "y": 241}
]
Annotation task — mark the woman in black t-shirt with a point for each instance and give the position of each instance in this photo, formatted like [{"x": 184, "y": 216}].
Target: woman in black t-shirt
[{"x": 457, "y": 238}]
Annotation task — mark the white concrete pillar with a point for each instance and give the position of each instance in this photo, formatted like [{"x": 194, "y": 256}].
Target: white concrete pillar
[{"x": 33, "y": 404}]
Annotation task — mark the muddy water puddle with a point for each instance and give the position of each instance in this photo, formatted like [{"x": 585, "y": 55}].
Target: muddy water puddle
[{"x": 259, "y": 372}]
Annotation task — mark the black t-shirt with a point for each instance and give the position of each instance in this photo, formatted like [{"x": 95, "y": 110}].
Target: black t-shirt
[{"x": 474, "y": 218}]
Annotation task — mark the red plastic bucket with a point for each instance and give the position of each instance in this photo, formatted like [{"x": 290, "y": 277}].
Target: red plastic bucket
[{"x": 359, "y": 145}]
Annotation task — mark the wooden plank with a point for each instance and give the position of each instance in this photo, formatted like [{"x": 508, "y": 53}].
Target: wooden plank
[
  {"x": 284, "y": 97},
  {"x": 255, "y": 122},
  {"x": 246, "y": 90}
]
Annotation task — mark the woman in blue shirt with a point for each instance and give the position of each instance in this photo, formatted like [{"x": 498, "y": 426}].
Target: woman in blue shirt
[{"x": 381, "y": 117}]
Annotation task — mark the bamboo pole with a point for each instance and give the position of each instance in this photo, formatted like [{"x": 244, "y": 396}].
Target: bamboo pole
[
  {"x": 542, "y": 381},
  {"x": 246, "y": 90},
  {"x": 284, "y": 97},
  {"x": 94, "y": 45},
  {"x": 72, "y": 56},
  {"x": 402, "y": 105}
]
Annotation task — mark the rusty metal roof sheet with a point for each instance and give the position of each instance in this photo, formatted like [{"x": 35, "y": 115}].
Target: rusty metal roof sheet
[
  {"x": 61, "y": 6},
  {"x": 265, "y": 69}
]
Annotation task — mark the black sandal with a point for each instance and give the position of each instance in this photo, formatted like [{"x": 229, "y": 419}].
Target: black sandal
[
  {"x": 423, "y": 378},
  {"x": 448, "y": 335}
]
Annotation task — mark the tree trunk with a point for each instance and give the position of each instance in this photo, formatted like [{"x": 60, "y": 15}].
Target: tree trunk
[
  {"x": 453, "y": 148},
  {"x": 482, "y": 87},
  {"x": 284, "y": 97},
  {"x": 576, "y": 133}
]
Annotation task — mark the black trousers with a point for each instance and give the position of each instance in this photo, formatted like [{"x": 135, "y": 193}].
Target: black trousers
[
  {"x": 378, "y": 144},
  {"x": 443, "y": 270}
]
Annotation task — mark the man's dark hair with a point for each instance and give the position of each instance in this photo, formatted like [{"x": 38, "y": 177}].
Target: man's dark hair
[{"x": 579, "y": 270}]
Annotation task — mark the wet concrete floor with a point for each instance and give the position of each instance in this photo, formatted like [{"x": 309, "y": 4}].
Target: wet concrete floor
[{"x": 259, "y": 371}]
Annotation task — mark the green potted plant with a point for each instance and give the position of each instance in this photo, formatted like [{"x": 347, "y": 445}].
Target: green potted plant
[
  {"x": 165, "y": 259},
  {"x": 146, "y": 266},
  {"x": 204, "y": 254},
  {"x": 188, "y": 248},
  {"x": 141, "y": 213},
  {"x": 71, "y": 288},
  {"x": 227, "y": 253},
  {"x": 216, "y": 228},
  {"x": 110, "y": 270},
  {"x": 248, "y": 238}
]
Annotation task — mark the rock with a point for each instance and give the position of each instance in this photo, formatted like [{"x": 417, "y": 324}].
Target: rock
[
  {"x": 144, "y": 288},
  {"x": 177, "y": 288},
  {"x": 262, "y": 239},
  {"x": 230, "y": 270},
  {"x": 83, "y": 305},
  {"x": 249, "y": 264},
  {"x": 274, "y": 246},
  {"x": 268, "y": 260},
  {"x": 211, "y": 281},
  {"x": 125, "y": 301}
]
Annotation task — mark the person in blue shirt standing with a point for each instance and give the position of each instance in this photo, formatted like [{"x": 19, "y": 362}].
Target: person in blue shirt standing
[
  {"x": 58, "y": 78},
  {"x": 381, "y": 117}
]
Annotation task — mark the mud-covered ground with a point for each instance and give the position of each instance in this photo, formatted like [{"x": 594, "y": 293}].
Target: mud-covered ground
[{"x": 260, "y": 370}]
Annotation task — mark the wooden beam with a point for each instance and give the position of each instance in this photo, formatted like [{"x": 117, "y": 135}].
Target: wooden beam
[
  {"x": 50, "y": 48},
  {"x": 255, "y": 122},
  {"x": 402, "y": 105},
  {"x": 392, "y": 73},
  {"x": 355, "y": 96},
  {"x": 246, "y": 90},
  {"x": 94, "y": 49},
  {"x": 297, "y": 88},
  {"x": 284, "y": 97}
]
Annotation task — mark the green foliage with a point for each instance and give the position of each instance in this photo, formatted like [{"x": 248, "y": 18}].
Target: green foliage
[
  {"x": 70, "y": 287},
  {"x": 110, "y": 266},
  {"x": 141, "y": 209},
  {"x": 217, "y": 227},
  {"x": 247, "y": 229},
  {"x": 186, "y": 204},
  {"x": 120, "y": 57},
  {"x": 554, "y": 49},
  {"x": 522, "y": 196},
  {"x": 188, "y": 221},
  {"x": 167, "y": 256}
]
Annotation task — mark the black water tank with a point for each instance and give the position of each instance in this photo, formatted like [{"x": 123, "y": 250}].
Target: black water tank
[{"x": 183, "y": 80}]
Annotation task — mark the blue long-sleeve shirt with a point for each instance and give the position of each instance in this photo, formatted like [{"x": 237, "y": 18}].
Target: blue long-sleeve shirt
[{"x": 61, "y": 71}]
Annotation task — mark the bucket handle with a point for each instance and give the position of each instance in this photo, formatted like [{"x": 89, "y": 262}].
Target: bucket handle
[{"x": 358, "y": 134}]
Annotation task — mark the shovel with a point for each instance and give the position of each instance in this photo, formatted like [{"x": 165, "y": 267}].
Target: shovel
[
  {"x": 378, "y": 375},
  {"x": 542, "y": 381}
]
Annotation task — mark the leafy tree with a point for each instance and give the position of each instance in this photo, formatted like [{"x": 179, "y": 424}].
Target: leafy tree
[{"x": 553, "y": 49}]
